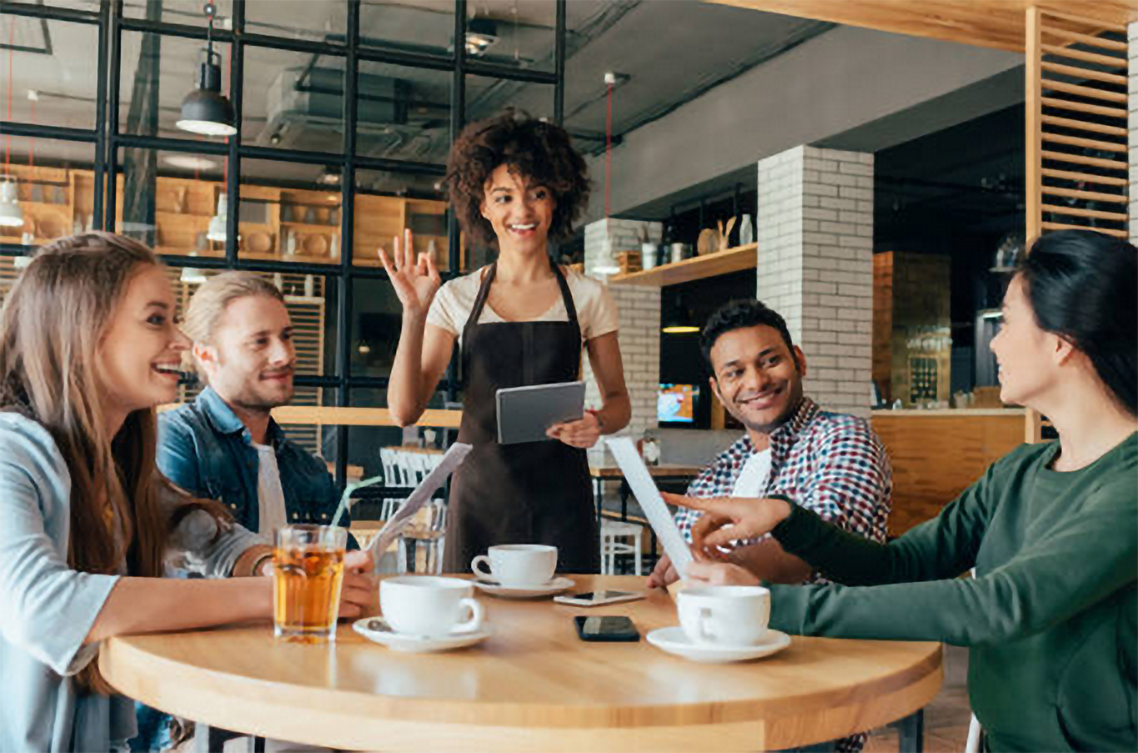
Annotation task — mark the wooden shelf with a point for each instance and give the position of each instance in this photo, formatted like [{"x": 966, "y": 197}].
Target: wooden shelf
[
  {"x": 310, "y": 227},
  {"x": 697, "y": 268}
]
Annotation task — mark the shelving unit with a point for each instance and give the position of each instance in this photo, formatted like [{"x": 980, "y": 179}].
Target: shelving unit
[{"x": 697, "y": 268}]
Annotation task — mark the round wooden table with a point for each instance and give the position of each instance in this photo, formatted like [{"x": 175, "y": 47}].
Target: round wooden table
[{"x": 533, "y": 685}]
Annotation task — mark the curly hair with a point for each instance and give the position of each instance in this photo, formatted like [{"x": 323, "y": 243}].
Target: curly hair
[
  {"x": 540, "y": 151},
  {"x": 742, "y": 314}
]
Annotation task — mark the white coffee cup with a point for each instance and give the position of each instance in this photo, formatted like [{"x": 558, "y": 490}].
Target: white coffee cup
[
  {"x": 429, "y": 606},
  {"x": 518, "y": 564},
  {"x": 725, "y": 615}
]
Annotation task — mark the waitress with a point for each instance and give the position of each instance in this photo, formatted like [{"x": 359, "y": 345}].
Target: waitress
[{"x": 523, "y": 320}]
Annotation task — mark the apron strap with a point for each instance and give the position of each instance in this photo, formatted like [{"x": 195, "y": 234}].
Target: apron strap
[
  {"x": 567, "y": 297},
  {"x": 483, "y": 294}
]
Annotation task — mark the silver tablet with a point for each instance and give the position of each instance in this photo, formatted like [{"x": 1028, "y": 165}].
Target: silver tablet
[{"x": 525, "y": 413}]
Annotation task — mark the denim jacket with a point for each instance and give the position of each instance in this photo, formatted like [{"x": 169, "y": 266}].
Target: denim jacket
[{"x": 204, "y": 448}]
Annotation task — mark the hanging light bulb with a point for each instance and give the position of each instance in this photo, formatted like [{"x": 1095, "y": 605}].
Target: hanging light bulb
[
  {"x": 11, "y": 215},
  {"x": 205, "y": 110},
  {"x": 217, "y": 224}
]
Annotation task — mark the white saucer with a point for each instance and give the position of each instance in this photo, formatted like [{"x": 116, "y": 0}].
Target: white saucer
[
  {"x": 494, "y": 588},
  {"x": 375, "y": 629},
  {"x": 675, "y": 641}
]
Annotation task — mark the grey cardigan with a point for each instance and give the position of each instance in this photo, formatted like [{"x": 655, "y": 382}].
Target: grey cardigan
[{"x": 47, "y": 609}]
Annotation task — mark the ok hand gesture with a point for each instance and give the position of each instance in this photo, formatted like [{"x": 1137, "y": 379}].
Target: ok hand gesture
[{"x": 415, "y": 282}]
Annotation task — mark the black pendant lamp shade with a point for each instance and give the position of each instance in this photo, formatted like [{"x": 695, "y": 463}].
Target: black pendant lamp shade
[{"x": 205, "y": 110}]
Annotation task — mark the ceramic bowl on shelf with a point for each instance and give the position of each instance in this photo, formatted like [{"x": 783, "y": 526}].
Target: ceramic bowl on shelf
[
  {"x": 315, "y": 245},
  {"x": 51, "y": 226},
  {"x": 259, "y": 243}
]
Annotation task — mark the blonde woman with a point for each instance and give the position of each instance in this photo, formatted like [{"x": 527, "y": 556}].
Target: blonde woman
[{"x": 88, "y": 347}]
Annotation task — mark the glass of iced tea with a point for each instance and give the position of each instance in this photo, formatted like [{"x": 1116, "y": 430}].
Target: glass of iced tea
[{"x": 308, "y": 571}]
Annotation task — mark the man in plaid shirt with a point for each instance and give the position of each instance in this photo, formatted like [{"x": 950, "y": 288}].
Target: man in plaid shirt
[{"x": 832, "y": 463}]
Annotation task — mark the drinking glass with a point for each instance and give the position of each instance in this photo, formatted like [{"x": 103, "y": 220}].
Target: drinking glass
[{"x": 308, "y": 573}]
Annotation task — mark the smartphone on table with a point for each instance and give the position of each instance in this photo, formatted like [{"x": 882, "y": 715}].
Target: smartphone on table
[
  {"x": 607, "y": 628},
  {"x": 597, "y": 598}
]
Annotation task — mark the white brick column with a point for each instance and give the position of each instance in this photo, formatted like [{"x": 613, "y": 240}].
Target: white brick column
[
  {"x": 614, "y": 236},
  {"x": 815, "y": 266},
  {"x": 639, "y": 323},
  {"x": 1132, "y": 121}
]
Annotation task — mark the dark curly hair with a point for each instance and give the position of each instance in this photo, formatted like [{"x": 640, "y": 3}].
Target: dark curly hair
[
  {"x": 741, "y": 315},
  {"x": 540, "y": 151}
]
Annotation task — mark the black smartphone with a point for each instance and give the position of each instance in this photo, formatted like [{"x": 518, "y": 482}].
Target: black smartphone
[{"x": 613, "y": 628}]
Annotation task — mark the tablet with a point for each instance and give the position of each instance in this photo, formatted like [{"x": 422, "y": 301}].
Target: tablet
[
  {"x": 646, "y": 493},
  {"x": 525, "y": 413}
]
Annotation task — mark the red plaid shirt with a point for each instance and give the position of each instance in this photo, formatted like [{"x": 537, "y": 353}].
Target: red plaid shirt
[{"x": 831, "y": 463}]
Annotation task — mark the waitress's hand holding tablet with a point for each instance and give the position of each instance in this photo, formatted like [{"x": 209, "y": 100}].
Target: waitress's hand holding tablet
[
  {"x": 541, "y": 412},
  {"x": 583, "y": 433}
]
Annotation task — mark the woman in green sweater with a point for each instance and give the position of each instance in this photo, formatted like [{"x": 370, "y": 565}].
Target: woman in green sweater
[{"x": 1051, "y": 529}]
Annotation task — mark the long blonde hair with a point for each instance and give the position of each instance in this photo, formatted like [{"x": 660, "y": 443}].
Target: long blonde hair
[{"x": 50, "y": 327}]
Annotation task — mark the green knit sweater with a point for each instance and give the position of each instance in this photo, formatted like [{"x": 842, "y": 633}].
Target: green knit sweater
[{"x": 1050, "y": 617}]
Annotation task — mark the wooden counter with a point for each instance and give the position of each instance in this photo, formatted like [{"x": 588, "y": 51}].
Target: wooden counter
[{"x": 937, "y": 454}]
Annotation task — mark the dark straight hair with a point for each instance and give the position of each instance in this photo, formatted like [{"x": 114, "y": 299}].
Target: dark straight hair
[{"x": 1083, "y": 286}]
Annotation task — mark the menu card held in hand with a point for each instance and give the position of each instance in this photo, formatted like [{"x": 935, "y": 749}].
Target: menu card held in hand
[{"x": 419, "y": 497}]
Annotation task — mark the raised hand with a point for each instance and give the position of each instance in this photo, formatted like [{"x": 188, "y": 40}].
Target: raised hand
[{"x": 415, "y": 281}]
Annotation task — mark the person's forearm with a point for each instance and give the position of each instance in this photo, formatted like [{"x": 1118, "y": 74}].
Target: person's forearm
[
  {"x": 404, "y": 389},
  {"x": 252, "y": 561},
  {"x": 615, "y": 413},
  {"x": 770, "y": 562},
  {"x": 151, "y": 605},
  {"x": 839, "y": 555}
]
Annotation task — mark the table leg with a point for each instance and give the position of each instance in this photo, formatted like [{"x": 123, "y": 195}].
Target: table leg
[
  {"x": 911, "y": 731},
  {"x": 209, "y": 739}
]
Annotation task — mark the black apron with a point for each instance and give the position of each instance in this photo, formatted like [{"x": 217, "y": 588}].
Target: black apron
[{"x": 531, "y": 493}]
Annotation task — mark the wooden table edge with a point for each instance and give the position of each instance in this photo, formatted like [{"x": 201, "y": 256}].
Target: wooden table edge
[{"x": 354, "y": 723}]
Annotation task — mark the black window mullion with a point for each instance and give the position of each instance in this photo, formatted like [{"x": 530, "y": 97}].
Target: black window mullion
[
  {"x": 111, "y": 127},
  {"x": 233, "y": 177},
  {"x": 559, "y": 65},
  {"x": 51, "y": 13},
  {"x": 101, "y": 114},
  {"x": 457, "y": 120},
  {"x": 347, "y": 233}
]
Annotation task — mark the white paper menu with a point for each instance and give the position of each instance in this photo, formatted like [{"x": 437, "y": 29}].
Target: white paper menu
[
  {"x": 422, "y": 494},
  {"x": 658, "y": 514}
]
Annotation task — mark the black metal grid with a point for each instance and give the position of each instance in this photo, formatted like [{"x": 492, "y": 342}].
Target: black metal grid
[{"x": 112, "y": 22}]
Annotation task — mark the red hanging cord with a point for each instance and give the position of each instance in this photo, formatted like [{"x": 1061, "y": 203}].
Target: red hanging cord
[{"x": 608, "y": 150}]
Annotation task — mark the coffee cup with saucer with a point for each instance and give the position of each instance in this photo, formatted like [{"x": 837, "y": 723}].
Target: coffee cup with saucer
[
  {"x": 426, "y": 613},
  {"x": 519, "y": 571},
  {"x": 721, "y": 624}
]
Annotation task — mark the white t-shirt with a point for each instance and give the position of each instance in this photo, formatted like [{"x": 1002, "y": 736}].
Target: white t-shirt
[
  {"x": 596, "y": 310},
  {"x": 752, "y": 480},
  {"x": 271, "y": 513}
]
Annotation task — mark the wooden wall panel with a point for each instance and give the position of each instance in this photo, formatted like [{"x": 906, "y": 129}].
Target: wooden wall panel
[{"x": 936, "y": 457}]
